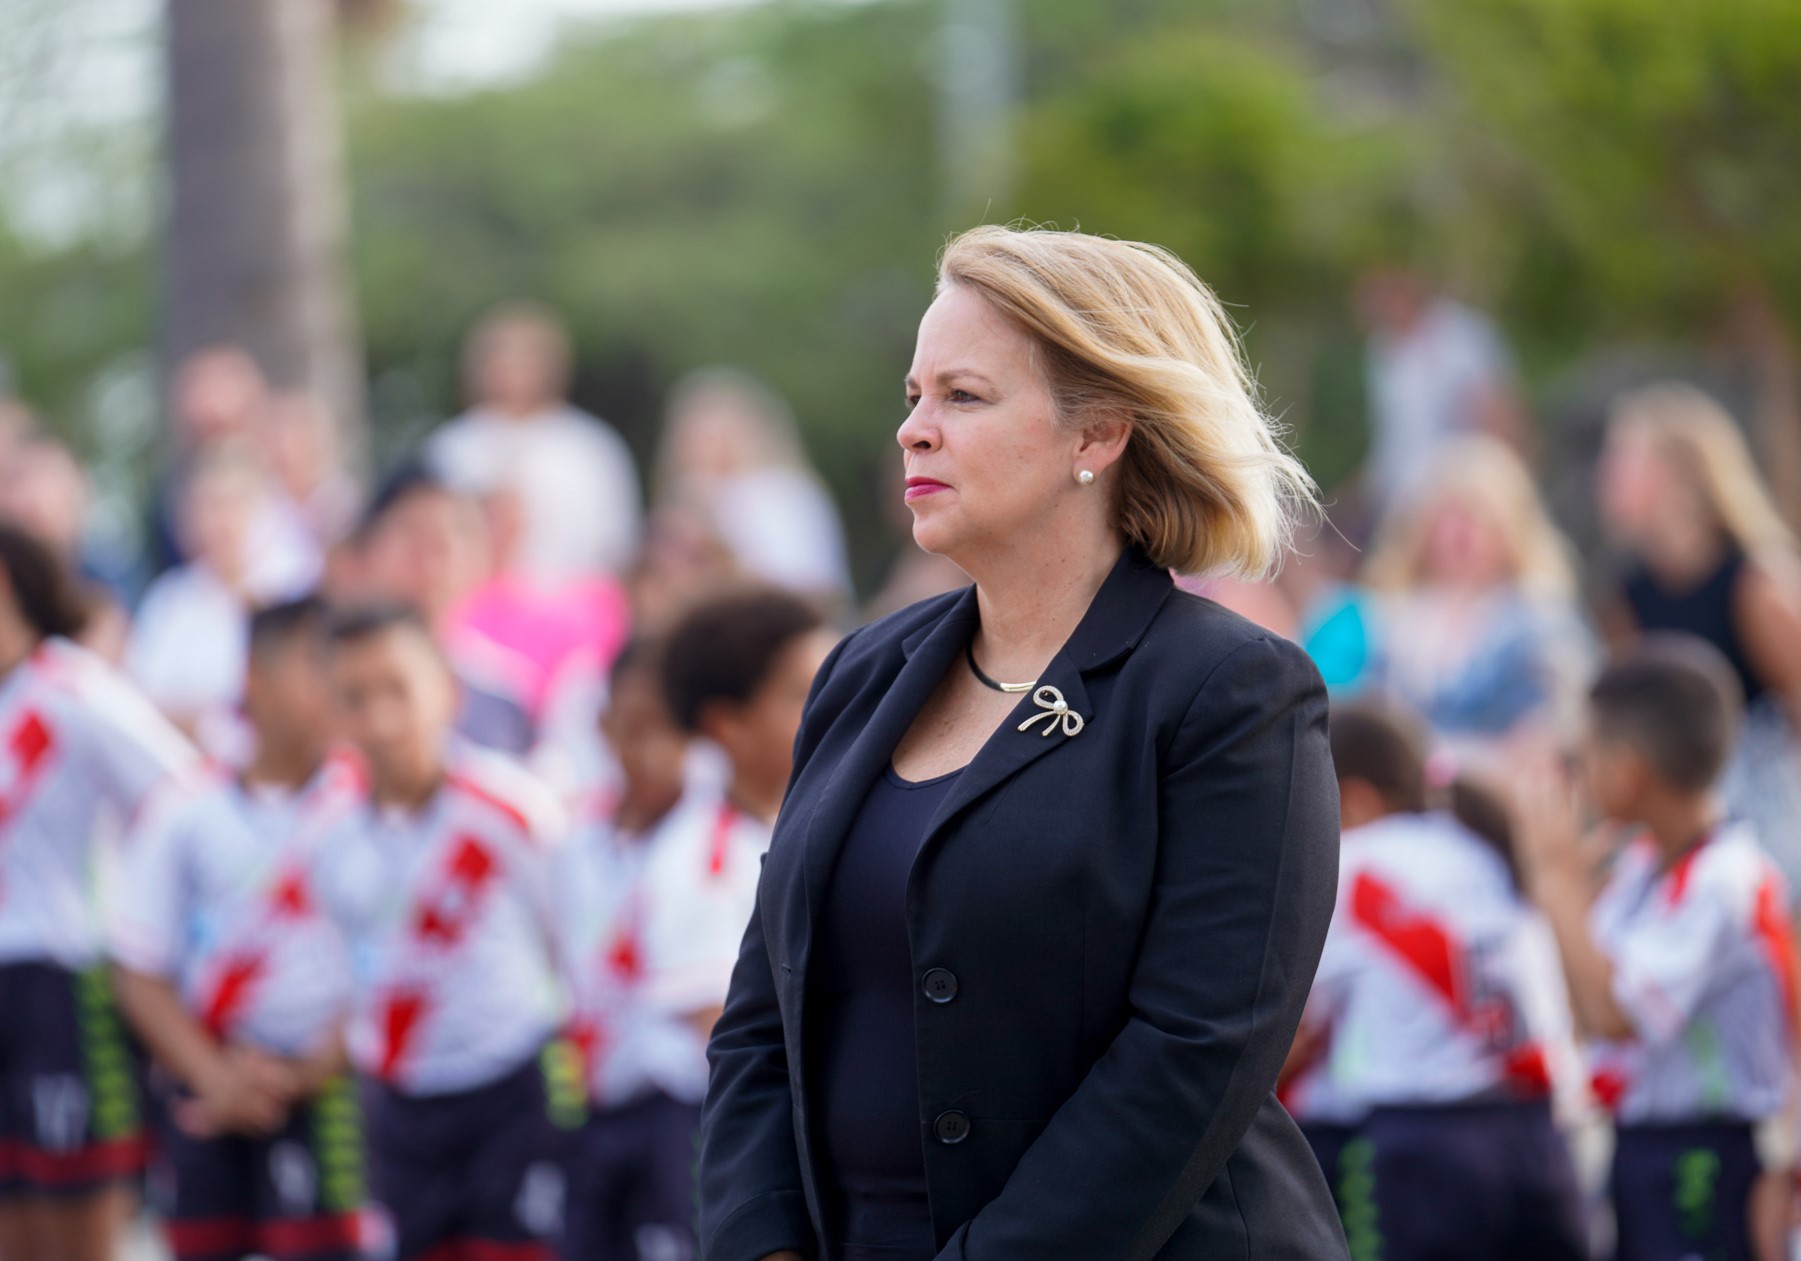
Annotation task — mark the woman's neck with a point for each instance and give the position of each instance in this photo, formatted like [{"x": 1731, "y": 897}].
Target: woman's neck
[
  {"x": 1684, "y": 550},
  {"x": 1032, "y": 598}
]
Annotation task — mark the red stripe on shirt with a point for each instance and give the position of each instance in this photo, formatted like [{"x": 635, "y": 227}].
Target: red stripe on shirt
[
  {"x": 723, "y": 823},
  {"x": 1419, "y": 941},
  {"x": 230, "y": 994},
  {"x": 514, "y": 814},
  {"x": 1776, "y": 934},
  {"x": 1681, "y": 870},
  {"x": 402, "y": 1015}
]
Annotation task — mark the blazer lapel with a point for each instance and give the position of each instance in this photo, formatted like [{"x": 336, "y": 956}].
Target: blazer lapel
[
  {"x": 929, "y": 654},
  {"x": 1117, "y": 617}
]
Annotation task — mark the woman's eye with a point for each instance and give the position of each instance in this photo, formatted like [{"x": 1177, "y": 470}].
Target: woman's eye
[
  {"x": 961, "y": 396},
  {"x": 912, "y": 401}
]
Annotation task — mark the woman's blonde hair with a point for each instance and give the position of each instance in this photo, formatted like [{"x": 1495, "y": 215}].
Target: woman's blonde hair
[
  {"x": 1205, "y": 484},
  {"x": 1485, "y": 475},
  {"x": 1697, "y": 436}
]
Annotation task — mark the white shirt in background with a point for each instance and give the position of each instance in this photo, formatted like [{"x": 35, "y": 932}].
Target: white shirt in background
[
  {"x": 1426, "y": 386},
  {"x": 576, "y": 484},
  {"x": 80, "y": 748},
  {"x": 651, "y": 928},
  {"x": 782, "y": 526},
  {"x": 1704, "y": 968},
  {"x": 216, "y": 895},
  {"x": 1438, "y": 983},
  {"x": 190, "y": 643},
  {"x": 448, "y": 916}
]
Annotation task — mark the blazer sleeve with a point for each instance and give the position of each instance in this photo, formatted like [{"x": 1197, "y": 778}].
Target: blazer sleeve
[
  {"x": 1245, "y": 877},
  {"x": 751, "y": 1198}
]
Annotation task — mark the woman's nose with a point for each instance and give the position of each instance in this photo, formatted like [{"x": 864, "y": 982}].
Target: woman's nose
[{"x": 915, "y": 432}]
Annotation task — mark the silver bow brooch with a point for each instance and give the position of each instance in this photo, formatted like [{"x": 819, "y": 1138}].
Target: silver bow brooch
[{"x": 1055, "y": 712}]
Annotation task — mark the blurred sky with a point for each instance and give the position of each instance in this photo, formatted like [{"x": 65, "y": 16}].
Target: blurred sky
[{"x": 80, "y": 82}]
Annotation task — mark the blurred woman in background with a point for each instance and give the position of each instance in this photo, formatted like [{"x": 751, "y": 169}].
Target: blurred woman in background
[
  {"x": 1709, "y": 555},
  {"x": 733, "y": 457},
  {"x": 1478, "y": 626}
]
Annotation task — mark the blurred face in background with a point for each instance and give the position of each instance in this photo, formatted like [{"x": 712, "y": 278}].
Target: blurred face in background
[
  {"x": 218, "y": 508},
  {"x": 395, "y": 701},
  {"x": 519, "y": 367},
  {"x": 643, "y": 735},
  {"x": 717, "y": 434},
  {"x": 44, "y": 489},
  {"x": 300, "y": 442},
  {"x": 758, "y": 735},
  {"x": 987, "y": 461},
  {"x": 219, "y": 393},
  {"x": 1615, "y": 776},
  {"x": 288, "y": 698},
  {"x": 428, "y": 550},
  {"x": 1637, "y": 484},
  {"x": 1464, "y": 546}
]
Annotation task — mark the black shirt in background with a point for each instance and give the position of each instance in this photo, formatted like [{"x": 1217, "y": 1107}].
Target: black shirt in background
[{"x": 863, "y": 1057}]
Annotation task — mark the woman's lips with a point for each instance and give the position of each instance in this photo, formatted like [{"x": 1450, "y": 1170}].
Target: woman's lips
[{"x": 919, "y": 487}]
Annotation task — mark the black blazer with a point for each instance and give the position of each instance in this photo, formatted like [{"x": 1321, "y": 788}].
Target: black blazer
[{"x": 1114, "y": 934}]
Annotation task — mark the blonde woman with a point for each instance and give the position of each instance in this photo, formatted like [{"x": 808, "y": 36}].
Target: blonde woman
[
  {"x": 732, "y": 456},
  {"x": 1478, "y": 625},
  {"x": 1710, "y": 556},
  {"x": 1052, "y": 878}
]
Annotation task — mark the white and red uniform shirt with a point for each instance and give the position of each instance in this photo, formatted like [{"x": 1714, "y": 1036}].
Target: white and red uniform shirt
[
  {"x": 447, "y": 911},
  {"x": 1438, "y": 983},
  {"x": 1703, "y": 967},
  {"x": 216, "y": 894},
  {"x": 651, "y": 928},
  {"x": 80, "y": 751}
]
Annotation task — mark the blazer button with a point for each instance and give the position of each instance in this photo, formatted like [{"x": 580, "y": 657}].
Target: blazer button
[
  {"x": 940, "y": 986},
  {"x": 951, "y": 1127}
]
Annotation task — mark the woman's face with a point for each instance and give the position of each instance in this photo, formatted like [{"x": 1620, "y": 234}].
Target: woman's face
[
  {"x": 986, "y": 460},
  {"x": 1636, "y": 483},
  {"x": 1463, "y": 547}
]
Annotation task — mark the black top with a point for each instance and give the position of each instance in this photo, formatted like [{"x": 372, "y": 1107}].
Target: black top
[
  {"x": 1707, "y": 609},
  {"x": 863, "y": 1055}
]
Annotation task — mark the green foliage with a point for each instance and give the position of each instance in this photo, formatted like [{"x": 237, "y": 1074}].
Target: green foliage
[
  {"x": 754, "y": 188},
  {"x": 762, "y": 186},
  {"x": 1652, "y": 150}
]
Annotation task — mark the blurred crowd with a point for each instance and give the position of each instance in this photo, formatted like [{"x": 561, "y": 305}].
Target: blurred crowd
[{"x": 563, "y": 692}]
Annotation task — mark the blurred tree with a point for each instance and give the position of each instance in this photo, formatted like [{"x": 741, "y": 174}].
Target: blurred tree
[
  {"x": 1653, "y": 150},
  {"x": 256, "y": 214}
]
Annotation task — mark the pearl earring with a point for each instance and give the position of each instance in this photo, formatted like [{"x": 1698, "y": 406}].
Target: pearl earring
[{"x": 1086, "y": 477}]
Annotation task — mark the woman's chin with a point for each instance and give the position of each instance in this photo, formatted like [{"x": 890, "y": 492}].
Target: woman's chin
[{"x": 933, "y": 536}]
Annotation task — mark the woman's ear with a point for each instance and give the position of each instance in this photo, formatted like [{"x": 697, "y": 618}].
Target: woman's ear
[{"x": 1102, "y": 440}]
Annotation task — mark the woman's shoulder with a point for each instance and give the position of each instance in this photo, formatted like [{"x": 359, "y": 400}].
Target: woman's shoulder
[{"x": 1196, "y": 637}]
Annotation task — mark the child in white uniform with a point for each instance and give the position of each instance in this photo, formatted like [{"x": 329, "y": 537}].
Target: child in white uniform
[
  {"x": 238, "y": 983},
  {"x": 441, "y": 880},
  {"x": 1683, "y": 968},
  {"x": 80, "y": 749},
  {"x": 1447, "y": 1024},
  {"x": 657, "y": 900}
]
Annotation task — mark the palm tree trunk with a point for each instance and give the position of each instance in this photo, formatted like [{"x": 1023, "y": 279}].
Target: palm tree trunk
[{"x": 256, "y": 217}]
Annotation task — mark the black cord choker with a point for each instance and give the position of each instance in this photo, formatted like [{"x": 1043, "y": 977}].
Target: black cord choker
[{"x": 969, "y": 655}]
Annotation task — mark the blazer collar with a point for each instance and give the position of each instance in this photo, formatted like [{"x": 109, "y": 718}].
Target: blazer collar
[{"x": 1118, "y": 617}]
